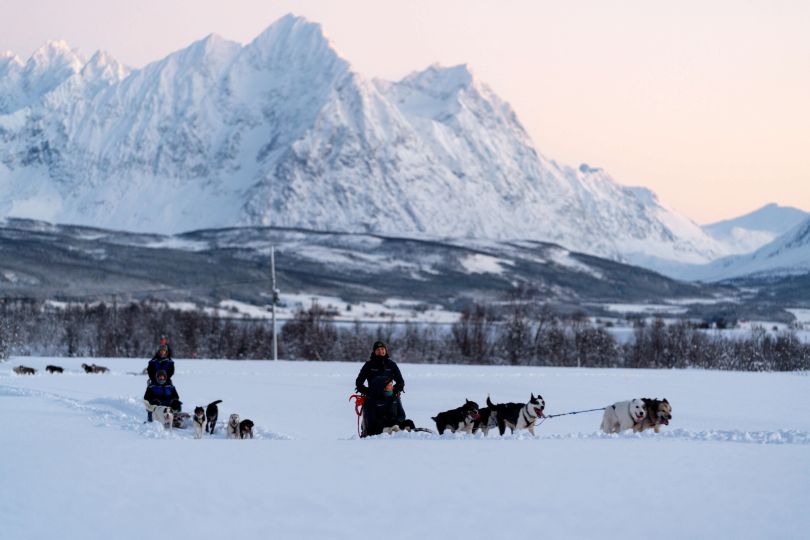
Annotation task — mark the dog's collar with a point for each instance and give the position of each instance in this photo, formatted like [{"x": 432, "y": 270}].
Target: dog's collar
[{"x": 528, "y": 423}]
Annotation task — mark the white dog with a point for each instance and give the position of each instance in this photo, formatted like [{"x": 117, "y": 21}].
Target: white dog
[
  {"x": 161, "y": 413},
  {"x": 623, "y": 415},
  {"x": 233, "y": 426}
]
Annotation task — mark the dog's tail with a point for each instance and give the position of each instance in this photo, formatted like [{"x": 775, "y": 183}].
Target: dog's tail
[
  {"x": 434, "y": 418},
  {"x": 489, "y": 402},
  {"x": 215, "y": 402}
]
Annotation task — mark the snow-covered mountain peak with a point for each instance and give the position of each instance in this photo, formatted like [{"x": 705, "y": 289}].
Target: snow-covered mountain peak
[
  {"x": 751, "y": 231},
  {"x": 9, "y": 58},
  {"x": 293, "y": 39},
  {"x": 438, "y": 81},
  {"x": 102, "y": 66},
  {"x": 282, "y": 132},
  {"x": 55, "y": 55}
]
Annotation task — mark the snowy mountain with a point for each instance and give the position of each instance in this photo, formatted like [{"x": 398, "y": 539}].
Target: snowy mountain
[
  {"x": 788, "y": 255},
  {"x": 752, "y": 231},
  {"x": 282, "y": 132}
]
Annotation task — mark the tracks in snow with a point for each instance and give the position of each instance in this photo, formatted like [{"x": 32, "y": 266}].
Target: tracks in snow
[{"x": 126, "y": 413}]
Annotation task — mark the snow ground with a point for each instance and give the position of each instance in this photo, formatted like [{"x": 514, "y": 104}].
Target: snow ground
[{"x": 78, "y": 462}]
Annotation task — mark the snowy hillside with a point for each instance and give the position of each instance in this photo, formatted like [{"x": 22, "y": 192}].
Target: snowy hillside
[
  {"x": 79, "y": 462},
  {"x": 787, "y": 255},
  {"x": 751, "y": 231},
  {"x": 283, "y": 132}
]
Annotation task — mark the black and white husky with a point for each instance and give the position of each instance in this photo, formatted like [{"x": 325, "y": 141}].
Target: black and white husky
[
  {"x": 487, "y": 418},
  {"x": 459, "y": 419},
  {"x": 519, "y": 415},
  {"x": 199, "y": 422}
]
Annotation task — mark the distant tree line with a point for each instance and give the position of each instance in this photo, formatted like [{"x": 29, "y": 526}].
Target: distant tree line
[{"x": 521, "y": 336}]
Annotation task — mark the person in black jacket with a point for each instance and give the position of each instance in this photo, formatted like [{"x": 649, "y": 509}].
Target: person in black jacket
[
  {"x": 162, "y": 392},
  {"x": 381, "y": 382},
  {"x": 162, "y": 361}
]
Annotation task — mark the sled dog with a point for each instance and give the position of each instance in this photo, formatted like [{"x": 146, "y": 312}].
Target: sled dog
[
  {"x": 53, "y": 369},
  {"x": 24, "y": 370},
  {"x": 623, "y": 415},
  {"x": 233, "y": 426},
  {"x": 212, "y": 413},
  {"x": 459, "y": 419},
  {"x": 487, "y": 418},
  {"x": 246, "y": 429},
  {"x": 92, "y": 368},
  {"x": 199, "y": 421},
  {"x": 519, "y": 415},
  {"x": 658, "y": 413}
]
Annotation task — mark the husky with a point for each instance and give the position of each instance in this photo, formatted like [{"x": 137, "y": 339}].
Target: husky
[
  {"x": 54, "y": 369},
  {"x": 623, "y": 415},
  {"x": 92, "y": 368},
  {"x": 199, "y": 421},
  {"x": 487, "y": 418},
  {"x": 233, "y": 426},
  {"x": 459, "y": 419},
  {"x": 246, "y": 429},
  {"x": 519, "y": 415},
  {"x": 24, "y": 370},
  {"x": 212, "y": 413},
  {"x": 164, "y": 415}
]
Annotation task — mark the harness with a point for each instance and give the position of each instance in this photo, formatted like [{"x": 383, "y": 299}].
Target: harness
[{"x": 523, "y": 413}]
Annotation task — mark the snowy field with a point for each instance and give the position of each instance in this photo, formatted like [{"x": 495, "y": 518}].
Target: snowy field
[{"x": 78, "y": 461}]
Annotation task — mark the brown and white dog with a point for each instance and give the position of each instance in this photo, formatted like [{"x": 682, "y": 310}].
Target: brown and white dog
[
  {"x": 246, "y": 429},
  {"x": 54, "y": 369},
  {"x": 25, "y": 370},
  {"x": 233, "y": 426},
  {"x": 199, "y": 422},
  {"x": 658, "y": 413},
  {"x": 623, "y": 415}
]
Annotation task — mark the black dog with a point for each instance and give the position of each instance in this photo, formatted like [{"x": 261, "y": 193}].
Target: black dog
[
  {"x": 211, "y": 414},
  {"x": 519, "y": 415},
  {"x": 54, "y": 369},
  {"x": 246, "y": 429},
  {"x": 487, "y": 418},
  {"x": 461, "y": 418}
]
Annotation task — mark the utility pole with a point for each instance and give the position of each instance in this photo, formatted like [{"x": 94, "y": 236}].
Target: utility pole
[{"x": 274, "y": 299}]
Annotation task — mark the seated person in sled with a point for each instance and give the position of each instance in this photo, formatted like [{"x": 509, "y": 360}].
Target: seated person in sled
[
  {"x": 382, "y": 407},
  {"x": 162, "y": 361},
  {"x": 162, "y": 392}
]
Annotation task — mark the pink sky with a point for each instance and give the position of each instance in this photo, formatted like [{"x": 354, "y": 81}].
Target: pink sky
[{"x": 706, "y": 103}]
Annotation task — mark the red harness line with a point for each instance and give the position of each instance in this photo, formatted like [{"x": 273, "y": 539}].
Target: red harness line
[{"x": 359, "y": 400}]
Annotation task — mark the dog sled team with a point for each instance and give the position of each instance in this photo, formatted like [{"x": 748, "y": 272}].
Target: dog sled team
[
  {"x": 163, "y": 403},
  {"x": 379, "y": 407}
]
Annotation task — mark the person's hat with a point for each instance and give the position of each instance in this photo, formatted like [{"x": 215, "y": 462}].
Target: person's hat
[
  {"x": 161, "y": 375},
  {"x": 378, "y": 344}
]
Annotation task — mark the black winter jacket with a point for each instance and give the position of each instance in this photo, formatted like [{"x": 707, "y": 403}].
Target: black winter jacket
[{"x": 377, "y": 371}]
